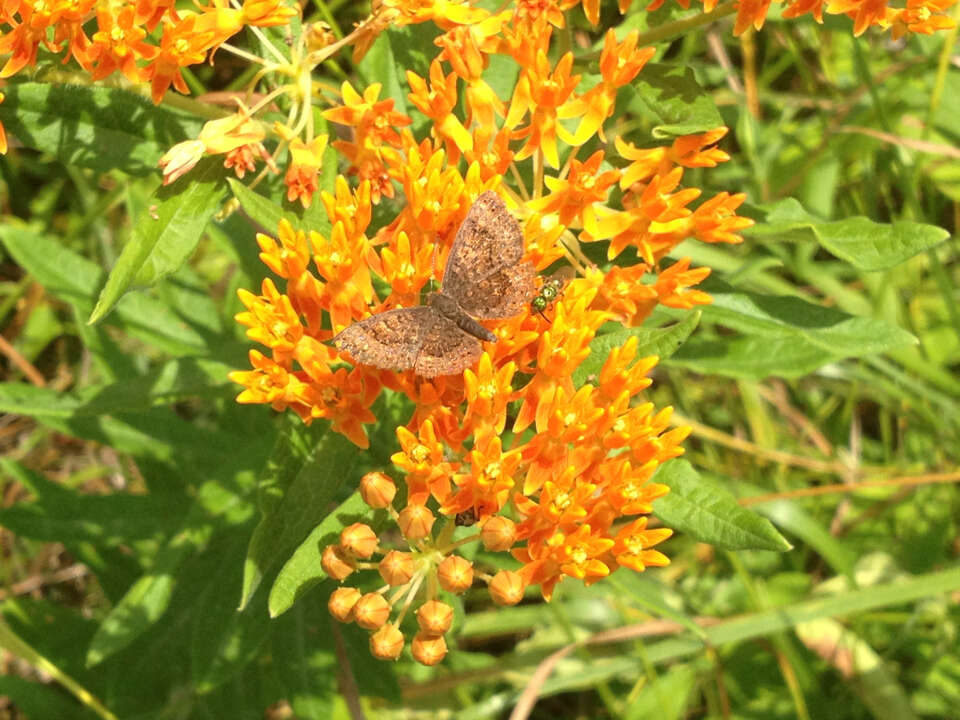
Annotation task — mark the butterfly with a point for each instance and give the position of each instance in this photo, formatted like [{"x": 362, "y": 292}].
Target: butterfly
[{"x": 485, "y": 278}]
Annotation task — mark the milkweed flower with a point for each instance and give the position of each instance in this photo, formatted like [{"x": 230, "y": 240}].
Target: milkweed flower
[{"x": 557, "y": 473}]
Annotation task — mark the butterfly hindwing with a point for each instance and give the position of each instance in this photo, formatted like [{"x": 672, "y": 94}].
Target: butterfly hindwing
[{"x": 391, "y": 340}]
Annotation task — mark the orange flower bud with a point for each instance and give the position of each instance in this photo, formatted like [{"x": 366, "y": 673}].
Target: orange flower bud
[
  {"x": 377, "y": 489},
  {"x": 415, "y": 522},
  {"x": 386, "y": 643},
  {"x": 359, "y": 539},
  {"x": 499, "y": 533},
  {"x": 455, "y": 574},
  {"x": 435, "y": 617},
  {"x": 371, "y": 611},
  {"x": 335, "y": 563},
  {"x": 397, "y": 568},
  {"x": 341, "y": 603},
  {"x": 506, "y": 588},
  {"x": 428, "y": 649}
]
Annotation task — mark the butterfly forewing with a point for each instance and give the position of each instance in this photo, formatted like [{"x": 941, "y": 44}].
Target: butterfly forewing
[
  {"x": 391, "y": 340},
  {"x": 489, "y": 240}
]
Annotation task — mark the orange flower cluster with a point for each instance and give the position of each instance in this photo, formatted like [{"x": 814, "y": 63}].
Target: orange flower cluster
[
  {"x": 119, "y": 41},
  {"x": 554, "y": 472}
]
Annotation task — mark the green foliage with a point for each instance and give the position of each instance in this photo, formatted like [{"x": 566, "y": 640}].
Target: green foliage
[{"x": 828, "y": 356}]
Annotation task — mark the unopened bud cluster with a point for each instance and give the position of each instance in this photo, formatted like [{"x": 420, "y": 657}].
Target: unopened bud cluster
[{"x": 412, "y": 575}]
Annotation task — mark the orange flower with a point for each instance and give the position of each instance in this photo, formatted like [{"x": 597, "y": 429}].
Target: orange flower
[
  {"x": 437, "y": 101},
  {"x": 490, "y": 152},
  {"x": 619, "y": 65},
  {"x": 466, "y": 47},
  {"x": 375, "y": 121},
  {"x": 305, "y": 162},
  {"x": 672, "y": 284},
  {"x": 632, "y": 543},
  {"x": 23, "y": 41},
  {"x": 118, "y": 44},
  {"x": 289, "y": 256},
  {"x": 919, "y": 16},
  {"x": 487, "y": 393},
  {"x": 267, "y": 13},
  {"x": 486, "y": 489},
  {"x": 620, "y": 375},
  {"x": 422, "y": 459},
  {"x": 151, "y": 12},
  {"x": 573, "y": 197},
  {"x": 271, "y": 320},
  {"x": 752, "y": 12},
  {"x": 540, "y": 93},
  {"x": 716, "y": 219},
  {"x": 226, "y": 135},
  {"x": 652, "y": 224},
  {"x": 624, "y": 295},
  {"x": 186, "y": 42},
  {"x": 341, "y": 261},
  {"x": 529, "y": 13}
]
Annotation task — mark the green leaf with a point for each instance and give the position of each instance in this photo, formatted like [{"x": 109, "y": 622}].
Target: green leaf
[
  {"x": 395, "y": 51},
  {"x": 147, "y": 600},
  {"x": 75, "y": 280},
  {"x": 671, "y": 93},
  {"x": 262, "y": 210},
  {"x": 59, "y": 514},
  {"x": 784, "y": 336},
  {"x": 223, "y": 641},
  {"x": 708, "y": 513},
  {"x": 662, "y": 342},
  {"x": 752, "y": 358},
  {"x": 665, "y": 697},
  {"x": 99, "y": 128},
  {"x": 164, "y": 238},
  {"x": 267, "y": 214},
  {"x": 303, "y": 570},
  {"x": 865, "y": 244},
  {"x": 868, "y": 245},
  {"x": 173, "y": 382},
  {"x": 301, "y": 479},
  {"x": 41, "y": 699}
]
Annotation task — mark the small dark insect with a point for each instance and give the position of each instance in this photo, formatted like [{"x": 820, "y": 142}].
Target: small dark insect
[
  {"x": 550, "y": 290},
  {"x": 466, "y": 518},
  {"x": 484, "y": 278}
]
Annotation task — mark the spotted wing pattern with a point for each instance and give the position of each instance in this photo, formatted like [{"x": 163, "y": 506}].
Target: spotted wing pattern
[
  {"x": 446, "y": 350},
  {"x": 484, "y": 272},
  {"x": 391, "y": 340},
  {"x": 503, "y": 294}
]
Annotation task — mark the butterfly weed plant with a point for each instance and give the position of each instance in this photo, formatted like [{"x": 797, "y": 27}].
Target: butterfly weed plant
[{"x": 480, "y": 226}]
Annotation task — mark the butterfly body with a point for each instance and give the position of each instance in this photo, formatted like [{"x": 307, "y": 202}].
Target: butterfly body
[
  {"x": 484, "y": 278},
  {"x": 451, "y": 310}
]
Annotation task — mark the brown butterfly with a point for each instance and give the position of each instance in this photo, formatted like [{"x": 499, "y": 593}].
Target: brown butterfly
[{"x": 484, "y": 278}]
